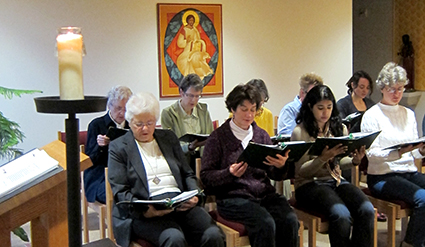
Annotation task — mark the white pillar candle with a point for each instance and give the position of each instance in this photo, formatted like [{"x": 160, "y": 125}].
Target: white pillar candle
[{"x": 70, "y": 57}]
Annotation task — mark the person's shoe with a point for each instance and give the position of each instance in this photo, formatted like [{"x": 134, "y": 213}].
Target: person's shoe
[{"x": 381, "y": 217}]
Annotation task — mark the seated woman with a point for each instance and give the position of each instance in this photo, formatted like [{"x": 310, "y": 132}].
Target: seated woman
[
  {"x": 148, "y": 163},
  {"x": 244, "y": 193},
  {"x": 392, "y": 174},
  {"x": 264, "y": 117},
  {"x": 188, "y": 115},
  {"x": 319, "y": 185},
  {"x": 360, "y": 86}
]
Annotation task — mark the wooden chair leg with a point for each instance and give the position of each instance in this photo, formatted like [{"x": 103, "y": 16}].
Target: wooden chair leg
[
  {"x": 312, "y": 228},
  {"x": 85, "y": 213},
  {"x": 391, "y": 219},
  {"x": 102, "y": 226},
  {"x": 375, "y": 229},
  {"x": 301, "y": 233}
]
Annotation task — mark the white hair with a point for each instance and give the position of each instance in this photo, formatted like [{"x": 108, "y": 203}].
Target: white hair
[
  {"x": 390, "y": 75},
  {"x": 142, "y": 102},
  {"x": 118, "y": 93}
]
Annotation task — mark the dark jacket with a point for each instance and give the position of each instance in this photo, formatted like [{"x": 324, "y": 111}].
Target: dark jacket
[
  {"x": 95, "y": 175},
  {"x": 127, "y": 176},
  {"x": 222, "y": 150}
]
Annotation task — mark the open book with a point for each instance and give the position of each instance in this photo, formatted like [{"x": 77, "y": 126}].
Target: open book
[
  {"x": 402, "y": 145},
  {"x": 352, "y": 117},
  {"x": 353, "y": 141},
  {"x": 192, "y": 137},
  {"x": 280, "y": 138},
  {"x": 255, "y": 153},
  {"x": 25, "y": 169},
  {"x": 167, "y": 203},
  {"x": 113, "y": 132}
]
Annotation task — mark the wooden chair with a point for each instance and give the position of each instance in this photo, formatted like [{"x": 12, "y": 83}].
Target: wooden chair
[
  {"x": 99, "y": 208},
  {"x": 394, "y": 209},
  {"x": 236, "y": 234},
  {"x": 109, "y": 205},
  {"x": 216, "y": 124},
  {"x": 316, "y": 222}
]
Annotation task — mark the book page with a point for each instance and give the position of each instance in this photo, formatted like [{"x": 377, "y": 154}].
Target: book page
[
  {"x": 25, "y": 169},
  {"x": 184, "y": 196}
]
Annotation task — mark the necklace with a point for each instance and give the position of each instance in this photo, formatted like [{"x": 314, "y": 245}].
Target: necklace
[{"x": 156, "y": 179}]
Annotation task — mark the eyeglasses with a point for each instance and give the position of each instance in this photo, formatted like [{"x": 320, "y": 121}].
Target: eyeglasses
[
  {"x": 393, "y": 90},
  {"x": 191, "y": 96},
  {"x": 147, "y": 124}
]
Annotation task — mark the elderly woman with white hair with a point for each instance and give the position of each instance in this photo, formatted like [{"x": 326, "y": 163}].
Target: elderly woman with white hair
[
  {"x": 392, "y": 173},
  {"x": 98, "y": 143},
  {"x": 148, "y": 163}
]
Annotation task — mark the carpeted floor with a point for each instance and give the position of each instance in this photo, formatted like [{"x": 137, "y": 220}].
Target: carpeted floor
[{"x": 322, "y": 239}]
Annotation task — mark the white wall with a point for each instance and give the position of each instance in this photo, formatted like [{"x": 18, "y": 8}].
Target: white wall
[{"x": 274, "y": 40}]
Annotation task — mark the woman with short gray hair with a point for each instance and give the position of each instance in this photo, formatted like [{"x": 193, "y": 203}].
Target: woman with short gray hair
[
  {"x": 188, "y": 115},
  {"x": 391, "y": 173}
]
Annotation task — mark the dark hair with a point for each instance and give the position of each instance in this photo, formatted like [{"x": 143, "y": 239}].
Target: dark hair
[
  {"x": 188, "y": 17},
  {"x": 306, "y": 116},
  {"x": 191, "y": 80},
  {"x": 261, "y": 86},
  {"x": 239, "y": 94},
  {"x": 355, "y": 80}
]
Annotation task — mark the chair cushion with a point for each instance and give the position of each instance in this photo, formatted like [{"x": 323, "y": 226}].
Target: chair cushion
[
  {"x": 294, "y": 204},
  {"x": 143, "y": 243},
  {"x": 403, "y": 205},
  {"x": 232, "y": 224}
]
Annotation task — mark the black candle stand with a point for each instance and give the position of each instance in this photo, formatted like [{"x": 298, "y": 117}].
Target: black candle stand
[{"x": 55, "y": 105}]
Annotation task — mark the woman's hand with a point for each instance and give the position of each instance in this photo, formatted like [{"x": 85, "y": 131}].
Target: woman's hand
[
  {"x": 328, "y": 154},
  {"x": 410, "y": 148},
  {"x": 238, "y": 169},
  {"x": 358, "y": 155},
  {"x": 193, "y": 145},
  {"x": 103, "y": 140},
  {"x": 192, "y": 202},
  {"x": 153, "y": 212},
  {"x": 422, "y": 150},
  {"x": 278, "y": 162}
]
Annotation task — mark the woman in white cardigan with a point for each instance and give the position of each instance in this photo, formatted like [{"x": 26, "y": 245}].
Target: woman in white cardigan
[{"x": 392, "y": 173}]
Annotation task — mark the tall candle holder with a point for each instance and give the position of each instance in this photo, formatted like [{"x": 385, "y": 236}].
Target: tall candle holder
[
  {"x": 71, "y": 107},
  {"x": 70, "y": 48}
]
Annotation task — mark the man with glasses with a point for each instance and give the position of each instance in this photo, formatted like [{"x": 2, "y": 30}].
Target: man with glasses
[
  {"x": 98, "y": 142},
  {"x": 187, "y": 115}
]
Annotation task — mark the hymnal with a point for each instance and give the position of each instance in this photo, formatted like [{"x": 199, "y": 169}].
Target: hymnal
[
  {"x": 113, "y": 132},
  {"x": 192, "y": 137},
  {"x": 280, "y": 138},
  {"x": 255, "y": 153},
  {"x": 353, "y": 141},
  {"x": 402, "y": 145},
  {"x": 25, "y": 169},
  {"x": 350, "y": 118},
  {"x": 167, "y": 203}
]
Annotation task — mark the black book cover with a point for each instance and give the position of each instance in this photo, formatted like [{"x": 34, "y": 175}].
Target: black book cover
[
  {"x": 402, "y": 145},
  {"x": 167, "y": 203},
  {"x": 255, "y": 153},
  {"x": 113, "y": 133},
  {"x": 353, "y": 117},
  {"x": 192, "y": 137},
  {"x": 280, "y": 138},
  {"x": 353, "y": 141}
]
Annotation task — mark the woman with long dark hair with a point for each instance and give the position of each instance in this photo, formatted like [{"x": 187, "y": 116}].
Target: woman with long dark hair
[{"x": 319, "y": 185}]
